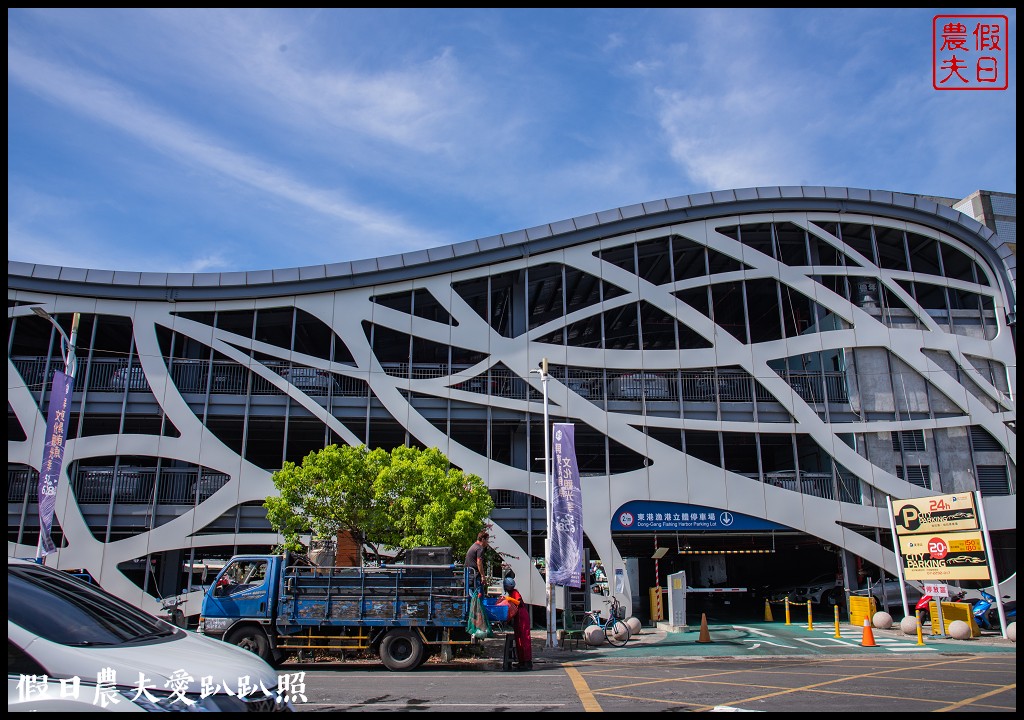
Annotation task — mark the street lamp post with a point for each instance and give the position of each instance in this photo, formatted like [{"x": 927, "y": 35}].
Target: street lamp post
[
  {"x": 549, "y": 607},
  {"x": 67, "y": 349},
  {"x": 53, "y": 449}
]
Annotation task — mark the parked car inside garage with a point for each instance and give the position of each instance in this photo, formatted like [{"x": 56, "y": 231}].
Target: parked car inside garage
[
  {"x": 821, "y": 590},
  {"x": 886, "y": 592},
  {"x": 312, "y": 381},
  {"x": 640, "y": 385},
  {"x": 134, "y": 377}
]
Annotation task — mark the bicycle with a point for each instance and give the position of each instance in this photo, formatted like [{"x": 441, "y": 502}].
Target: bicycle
[{"x": 615, "y": 630}]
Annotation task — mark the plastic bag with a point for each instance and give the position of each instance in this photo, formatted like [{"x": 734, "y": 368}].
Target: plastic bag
[
  {"x": 477, "y": 625},
  {"x": 512, "y": 603}
]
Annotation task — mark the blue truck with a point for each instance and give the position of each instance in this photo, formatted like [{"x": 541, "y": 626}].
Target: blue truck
[{"x": 275, "y": 606}]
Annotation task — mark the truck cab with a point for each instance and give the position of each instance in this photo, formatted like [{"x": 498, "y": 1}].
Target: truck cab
[{"x": 239, "y": 607}]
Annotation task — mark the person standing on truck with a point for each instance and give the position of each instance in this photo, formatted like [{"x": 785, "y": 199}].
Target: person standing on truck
[
  {"x": 475, "y": 561},
  {"x": 520, "y": 618}
]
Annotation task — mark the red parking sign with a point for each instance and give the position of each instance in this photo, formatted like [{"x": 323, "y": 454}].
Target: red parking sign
[
  {"x": 938, "y": 548},
  {"x": 970, "y": 52}
]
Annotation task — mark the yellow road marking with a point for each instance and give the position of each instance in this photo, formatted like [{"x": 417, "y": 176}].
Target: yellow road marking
[
  {"x": 970, "y": 701},
  {"x": 769, "y": 691},
  {"x": 590, "y": 703}
]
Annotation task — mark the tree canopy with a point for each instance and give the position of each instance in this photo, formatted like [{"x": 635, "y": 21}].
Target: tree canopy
[{"x": 406, "y": 498}]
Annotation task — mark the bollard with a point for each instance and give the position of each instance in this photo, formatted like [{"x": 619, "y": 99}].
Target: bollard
[
  {"x": 836, "y": 608},
  {"x": 810, "y": 621},
  {"x": 920, "y": 635},
  {"x": 787, "y": 610}
]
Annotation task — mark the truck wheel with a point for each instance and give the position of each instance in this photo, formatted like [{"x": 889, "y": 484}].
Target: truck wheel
[
  {"x": 252, "y": 639},
  {"x": 401, "y": 650}
]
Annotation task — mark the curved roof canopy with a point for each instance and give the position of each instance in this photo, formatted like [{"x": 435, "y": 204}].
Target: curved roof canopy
[{"x": 521, "y": 243}]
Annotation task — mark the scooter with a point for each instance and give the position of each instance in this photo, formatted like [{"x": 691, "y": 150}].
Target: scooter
[
  {"x": 922, "y": 610},
  {"x": 986, "y": 614}
]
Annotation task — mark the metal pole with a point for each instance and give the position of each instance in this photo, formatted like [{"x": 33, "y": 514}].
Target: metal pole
[
  {"x": 67, "y": 351},
  {"x": 991, "y": 564},
  {"x": 70, "y": 361},
  {"x": 70, "y": 366},
  {"x": 552, "y": 638},
  {"x": 899, "y": 558}
]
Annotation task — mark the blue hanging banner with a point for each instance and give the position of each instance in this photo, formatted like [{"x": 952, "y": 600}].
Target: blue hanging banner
[
  {"x": 53, "y": 456},
  {"x": 566, "y": 510}
]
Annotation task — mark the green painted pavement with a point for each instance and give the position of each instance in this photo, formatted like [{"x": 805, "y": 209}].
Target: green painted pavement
[{"x": 779, "y": 639}]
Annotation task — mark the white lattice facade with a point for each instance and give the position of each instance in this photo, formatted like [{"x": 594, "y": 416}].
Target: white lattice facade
[{"x": 791, "y": 354}]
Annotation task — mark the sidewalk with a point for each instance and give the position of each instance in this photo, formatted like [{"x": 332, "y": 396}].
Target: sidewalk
[{"x": 749, "y": 640}]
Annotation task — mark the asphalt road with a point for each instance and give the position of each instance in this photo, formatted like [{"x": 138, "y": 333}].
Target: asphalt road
[{"x": 985, "y": 682}]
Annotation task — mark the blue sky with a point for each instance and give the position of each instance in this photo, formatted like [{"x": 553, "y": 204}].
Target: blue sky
[{"x": 218, "y": 140}]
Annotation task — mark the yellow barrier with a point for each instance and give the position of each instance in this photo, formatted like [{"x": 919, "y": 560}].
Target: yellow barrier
[
  {"x": 953, "y": 611},
  {"x": 861, "y": 608},
  {"x": 657, "y": 608}
]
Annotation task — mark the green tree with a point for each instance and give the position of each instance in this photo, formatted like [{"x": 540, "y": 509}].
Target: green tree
[{"x": 406, "y": 498}]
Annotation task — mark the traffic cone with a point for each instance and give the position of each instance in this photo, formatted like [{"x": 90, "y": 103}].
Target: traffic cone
[
  {"x": 705, "y": 636},
  {"x": 768, "y": 612},
  {"x": 868, "y": 639}
]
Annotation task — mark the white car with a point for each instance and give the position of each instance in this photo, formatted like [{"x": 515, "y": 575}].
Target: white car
[
  {"x": 134, "y": 378},
  {"x": 73, "y": 646},
  {"x": 640, "y": 385},
  {"x": 821, "y": 590},
  {"x": 886, "y": 593},
  {"x": 312, "y": 381}
]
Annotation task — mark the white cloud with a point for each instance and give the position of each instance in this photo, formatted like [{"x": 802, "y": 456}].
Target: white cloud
[
  {"x": 405, "y": 101},
  {"x": 106, "y": 102}
]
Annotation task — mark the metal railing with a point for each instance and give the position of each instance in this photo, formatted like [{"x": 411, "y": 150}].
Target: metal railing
[
  {"x": 22, "y": 481},
  {"x": 135, "y": 485},
  {"x": 818, "y": 484},
  {"x": 229, "y": 378},
  {"x": 817, "y": 387},
  {"x": 103, "y": 373},
  {"x": 511, "y": 499}
]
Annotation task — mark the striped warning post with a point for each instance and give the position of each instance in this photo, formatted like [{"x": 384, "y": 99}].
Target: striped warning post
[
  {"x": 657, "y": 607},
  {"x": 657, "y": 574}
]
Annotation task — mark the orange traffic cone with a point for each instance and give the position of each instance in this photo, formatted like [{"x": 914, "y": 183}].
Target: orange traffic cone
[
  {"x": 868, "y": 639},
  {"x": 705, "y": 636}
]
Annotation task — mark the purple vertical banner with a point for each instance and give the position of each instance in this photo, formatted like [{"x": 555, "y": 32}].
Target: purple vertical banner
[
  {"x": 566, "y": 510},
  {"x": 53, "y": 456}
]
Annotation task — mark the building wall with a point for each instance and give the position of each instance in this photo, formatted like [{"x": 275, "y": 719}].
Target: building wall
[{"x": 752, "y": 352}]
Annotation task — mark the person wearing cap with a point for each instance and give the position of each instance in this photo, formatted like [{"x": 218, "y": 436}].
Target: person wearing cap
[
  {"x": 520, "y": 624},
  {"x": 475, "y": 561}
]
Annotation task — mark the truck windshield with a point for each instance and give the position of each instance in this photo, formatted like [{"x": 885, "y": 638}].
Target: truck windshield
[{"x": 242, "y": 575}]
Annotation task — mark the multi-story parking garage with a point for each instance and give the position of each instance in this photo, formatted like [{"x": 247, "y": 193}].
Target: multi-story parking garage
[{"x": 751, "y": 373}]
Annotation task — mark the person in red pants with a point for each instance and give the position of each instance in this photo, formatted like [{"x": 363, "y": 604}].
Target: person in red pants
[{"x": 520, "y": 617}]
